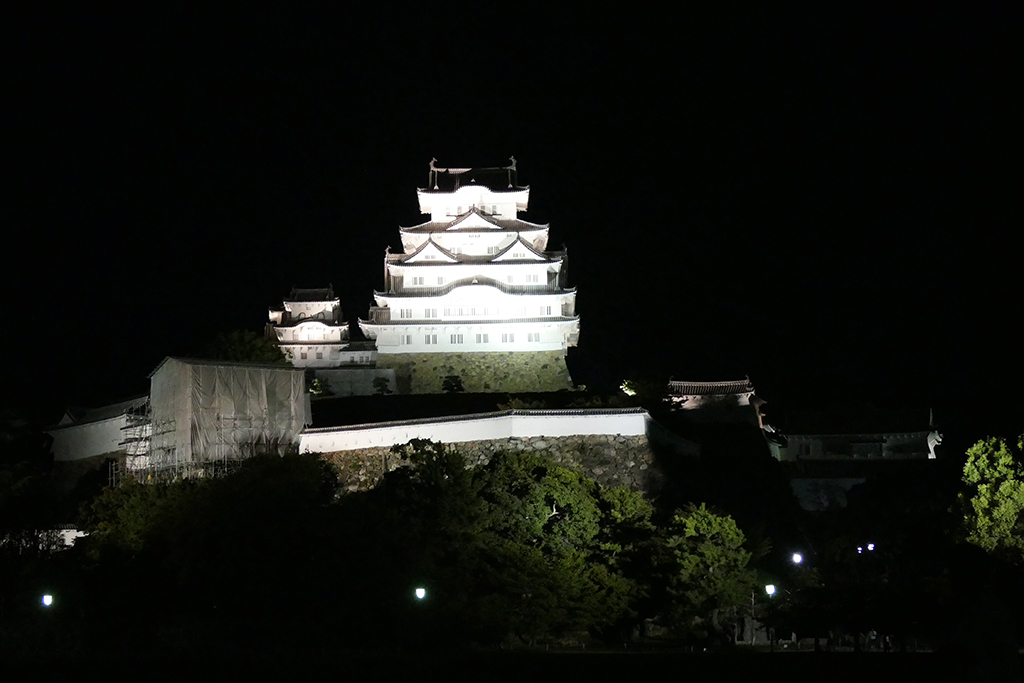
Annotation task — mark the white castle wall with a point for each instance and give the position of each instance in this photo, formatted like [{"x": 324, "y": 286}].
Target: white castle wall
[
  {"x": 481, "y": 427},
  {"x": 80, "y": 441}
]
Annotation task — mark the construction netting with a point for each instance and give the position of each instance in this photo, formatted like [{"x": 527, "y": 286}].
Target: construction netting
[{"x": 207, "y": 411}]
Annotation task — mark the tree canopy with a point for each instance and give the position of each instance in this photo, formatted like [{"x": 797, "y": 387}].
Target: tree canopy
[
  {"x": 244, "y": 346},
  {"x": 994, "y": 501}
]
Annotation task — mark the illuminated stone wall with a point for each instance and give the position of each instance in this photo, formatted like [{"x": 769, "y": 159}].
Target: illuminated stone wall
[
  {"x": 512, "y": 372},
  {"x": 612, "y": 460}
]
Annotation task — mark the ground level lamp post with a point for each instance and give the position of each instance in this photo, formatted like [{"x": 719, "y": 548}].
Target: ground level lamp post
[{"x": 770, "y": 590}]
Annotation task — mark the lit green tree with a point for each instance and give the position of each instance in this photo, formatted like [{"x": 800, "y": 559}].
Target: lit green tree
[
  {"x": 703, "y": 568},
  {"x": 992, "y": 507}
]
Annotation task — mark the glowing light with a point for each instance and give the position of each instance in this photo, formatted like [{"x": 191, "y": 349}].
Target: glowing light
[
  {"x": 860, "y": 549},
  {"x": 421, "y": 593},
  {"x": 47, "y": 600},
  {"x": 770, "y": 589},
  {"x": 797, "y": 558},
  {"x": 871, "y": 546},
  {"x": 627, "y": 389}
]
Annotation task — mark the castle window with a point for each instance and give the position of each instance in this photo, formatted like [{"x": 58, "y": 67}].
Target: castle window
[
  {"x": 430, "y": 313},
  {"x": 406, "y": 312},
  {"x": 508, "y": 338},
  {"x": 533, "y": 336},
  {"x": 418, "y": 280},
  {"x": 533, "y": 278},
  {"x": 481, "y": 339},
  {"x": 440, "y": 280},
  {"x": 405, "y": 339},
  {"x": 430, "y": 339},
  {"x": 456, "y": 339},
  {"x": 302, "y": 355},
  {"x": 492, "y": 250},
  {"x": 319, "y": 355}
]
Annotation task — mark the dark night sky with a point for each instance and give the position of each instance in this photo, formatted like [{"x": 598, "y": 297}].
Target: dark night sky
[{"x": 826, "y": 202}]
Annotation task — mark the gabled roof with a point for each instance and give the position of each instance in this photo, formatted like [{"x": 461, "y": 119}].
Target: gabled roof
[
  {"x": 224, "y": 363},
  {"x": 319, "y": 294},
  {"x": 683, "y": 388},
  {"x": 505, "y": 254},
  {"x": 428, "y": 247},
  {"x": 482, "y": 221},
  {"x": 494, "y": 178},
  {"x": 455, "y": 259},
  {"x": 76, "y": 415}
]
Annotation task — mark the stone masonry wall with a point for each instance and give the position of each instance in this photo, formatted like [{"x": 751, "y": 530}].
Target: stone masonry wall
[
  {"x": 611, "y": 460},
  {"x": 511, "y": 371}
]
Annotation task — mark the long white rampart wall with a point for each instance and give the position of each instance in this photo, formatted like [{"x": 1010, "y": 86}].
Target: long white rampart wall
[
  {"x": 79, "y": 441},
  {"x": 479, "y": 427}
]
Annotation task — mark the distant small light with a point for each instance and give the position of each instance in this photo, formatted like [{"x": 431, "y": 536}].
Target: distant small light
[
  {"x": 871, "y": 546},
  {"x": 860, "y": 549},
  {"x": 769, "y": 589},
  {"x": 47, "y": 600},
  {"x": 797, "y": 558},
  {"x": 421, "y": 593}
]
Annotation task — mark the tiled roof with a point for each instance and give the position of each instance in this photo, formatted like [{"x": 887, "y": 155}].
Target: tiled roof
[
  {"x": 681, "y": 388},
  {"x": 320, "y": 294},
  {"x": 224, "y": 363},
  {"x": 494, "y": 178},
  {"x": 548, "y": 256},
  {"x": 509, "y": 224},
  {"x": 83, "y": 415}
]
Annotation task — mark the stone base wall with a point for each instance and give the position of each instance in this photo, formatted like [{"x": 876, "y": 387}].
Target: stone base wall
[
  {"x": 611, "y": 460},
  {"x": 510, "y": 371}
]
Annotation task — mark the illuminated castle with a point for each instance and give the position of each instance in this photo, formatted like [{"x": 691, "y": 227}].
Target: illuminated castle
[
  {"x": 475, "y": 294},
  {"x": 309, "y": 329}
]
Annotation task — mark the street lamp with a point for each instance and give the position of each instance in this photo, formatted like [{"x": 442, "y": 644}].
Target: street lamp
[
  {"x": 770, "y": 589},
  {"x": 47, "y": 600},
  {"x": 421, "y": 593},
  {"x": 797, "y": 558}
]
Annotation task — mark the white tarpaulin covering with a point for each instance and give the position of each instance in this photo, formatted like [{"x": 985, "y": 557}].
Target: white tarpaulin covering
[{"x": 206, "y": 411}]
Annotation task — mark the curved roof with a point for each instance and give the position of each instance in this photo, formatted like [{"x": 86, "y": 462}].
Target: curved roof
[
  {"x": 683, "y": 388},
  {"x": 507, "y": 224},
  {"x": 494, "y": 178},
  {"x": 457, "y": 259}
]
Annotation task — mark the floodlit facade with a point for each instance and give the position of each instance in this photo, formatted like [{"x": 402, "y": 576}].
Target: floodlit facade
[
  {"x": 309, "y": 329},
  {"x": 728, "y": 401},
  {"x": 473, "y": 282}
]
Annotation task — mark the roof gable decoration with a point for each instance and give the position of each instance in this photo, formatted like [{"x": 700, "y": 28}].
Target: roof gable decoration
[
  {"x": 430, "y": 251},
  {"x": 519, "y": 250},
  {"x": 474, "y": 220}
]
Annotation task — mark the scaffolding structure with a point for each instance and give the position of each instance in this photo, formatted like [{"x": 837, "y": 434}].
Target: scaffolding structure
[{"x": 206, "y": 417}]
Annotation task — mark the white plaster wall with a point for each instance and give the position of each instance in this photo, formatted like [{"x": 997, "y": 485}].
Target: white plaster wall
[
  {"x": 490, "y": 304},
  {"x": 476, "y": 428},
  {"x": 310, "y": 309},
  {"x": 77, "y": 442},
  {"x": 333, "y": 356},
  {"x": 442, "y": 206},
  {"x": 552, "y": 337},
  {"x": 458, "y": 271}
]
